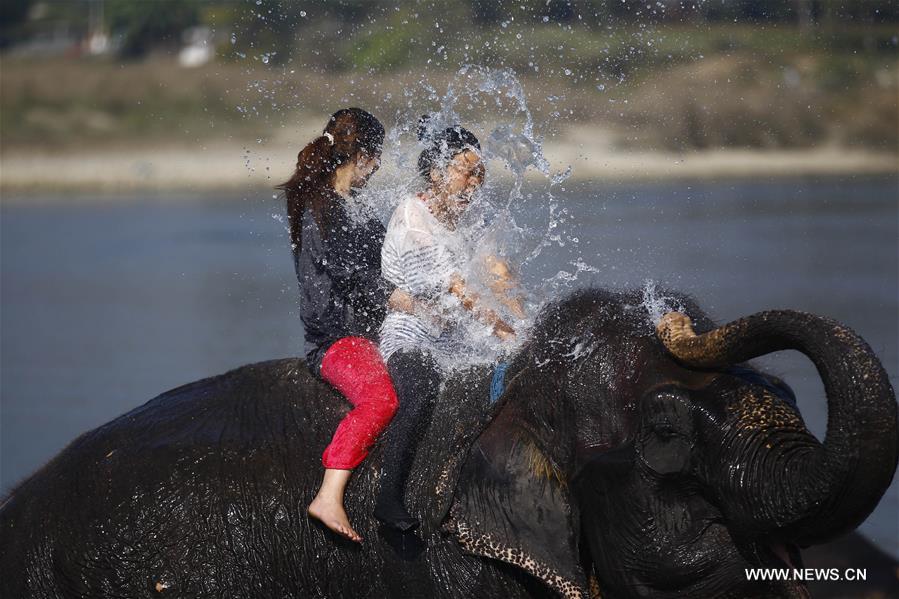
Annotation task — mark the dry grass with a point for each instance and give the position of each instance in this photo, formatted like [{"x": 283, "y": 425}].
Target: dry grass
[{"x": 734, "y": 102}]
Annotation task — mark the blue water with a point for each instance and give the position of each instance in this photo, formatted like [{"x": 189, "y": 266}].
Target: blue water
[{"x": 106, "y": 302}]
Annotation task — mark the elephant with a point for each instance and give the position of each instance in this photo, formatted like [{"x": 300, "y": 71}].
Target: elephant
[{"x": 618, "y": 461}]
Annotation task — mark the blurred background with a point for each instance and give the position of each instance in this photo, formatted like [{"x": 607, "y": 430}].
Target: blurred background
[
  {"x": 743, "y": 151},
  {"x": 143, "y": 84}
]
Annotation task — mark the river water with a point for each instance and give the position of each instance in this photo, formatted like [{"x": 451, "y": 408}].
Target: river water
[{"x": 107, "y": 302}]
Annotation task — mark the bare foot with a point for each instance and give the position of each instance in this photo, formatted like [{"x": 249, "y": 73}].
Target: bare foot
[{"x": 333, "y": 516}]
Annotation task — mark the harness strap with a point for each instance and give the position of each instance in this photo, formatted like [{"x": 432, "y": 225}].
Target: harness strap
[
  {"x": 780, "y": 389},
  {"x": 498, "y": 382}
]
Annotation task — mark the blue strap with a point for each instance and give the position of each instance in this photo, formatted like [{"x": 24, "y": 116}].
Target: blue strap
[
  {"x": 498, "y": 383},
  {"x": 779, "y": 389}
]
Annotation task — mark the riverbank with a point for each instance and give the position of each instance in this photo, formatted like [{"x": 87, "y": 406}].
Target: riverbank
[
  {"x": 231, "y": 167},
  {"x": 108, "y": 126}
]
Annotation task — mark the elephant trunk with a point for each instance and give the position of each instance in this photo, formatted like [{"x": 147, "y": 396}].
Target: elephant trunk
[{"x": 796, "y": 487}]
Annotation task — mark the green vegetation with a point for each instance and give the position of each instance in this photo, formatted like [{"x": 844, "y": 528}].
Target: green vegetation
[
  {"x": 143, "y": 25},
  {"x": 675, "y": 75}
]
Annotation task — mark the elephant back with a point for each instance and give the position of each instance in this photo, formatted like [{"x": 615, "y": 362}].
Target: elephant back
[
  {"x": 203, "y": 489},
  {"x": 227, "y": 454}
]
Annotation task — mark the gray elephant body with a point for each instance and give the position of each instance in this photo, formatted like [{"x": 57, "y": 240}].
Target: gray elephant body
[
  {"x": 596, "y": 471},
  {"x": 202, "y": 492}
]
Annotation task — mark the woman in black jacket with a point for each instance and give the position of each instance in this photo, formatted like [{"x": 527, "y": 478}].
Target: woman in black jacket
[{"x": 343, "y": 297}]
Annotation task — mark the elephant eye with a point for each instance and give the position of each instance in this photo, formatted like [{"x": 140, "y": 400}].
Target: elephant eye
[
  {"x": 666, "y": 443},
  {"x": 665, "y": 431},
  {"x": 666, "y": 412}
]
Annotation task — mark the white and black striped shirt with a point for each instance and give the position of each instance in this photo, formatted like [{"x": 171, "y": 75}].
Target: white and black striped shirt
[{"x": 419, "y": 255}]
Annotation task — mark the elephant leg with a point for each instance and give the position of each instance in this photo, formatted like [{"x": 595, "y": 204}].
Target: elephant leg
[{"x": 416, "y": 378}]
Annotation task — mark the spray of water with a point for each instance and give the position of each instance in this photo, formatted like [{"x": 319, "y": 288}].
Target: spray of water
[
  {"x": 514, "y": 216},
  {"x": 656, "y": 304},
  {"x": 492, "y": 104}
]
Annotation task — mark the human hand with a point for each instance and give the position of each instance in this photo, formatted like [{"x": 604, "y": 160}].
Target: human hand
[
  {"x": 503, "y": 331},
  {"x": 502, "y": 283},
  {"x": 401, "y": 301},
  {"x": 516, "y": 306}
]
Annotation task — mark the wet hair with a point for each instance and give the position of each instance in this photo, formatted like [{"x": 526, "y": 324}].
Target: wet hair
[
  {"x": 349, "y": 132},
  {"x": 443, "y": 146}
]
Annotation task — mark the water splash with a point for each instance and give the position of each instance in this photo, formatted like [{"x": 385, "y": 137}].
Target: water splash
[
  {"x": 514, "y": 216},
  {"x": 493, "y": 104},
  {"x": 658, "y": 305}
]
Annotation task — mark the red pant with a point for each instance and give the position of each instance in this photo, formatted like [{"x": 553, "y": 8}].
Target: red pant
[{"x": 355, "y": 368}]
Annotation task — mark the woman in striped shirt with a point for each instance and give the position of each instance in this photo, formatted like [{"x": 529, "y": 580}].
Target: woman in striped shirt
[{"x": 424, "y": 254}]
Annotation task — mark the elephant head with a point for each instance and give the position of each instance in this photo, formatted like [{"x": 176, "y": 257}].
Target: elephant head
[{"x": 639, "y": 464}]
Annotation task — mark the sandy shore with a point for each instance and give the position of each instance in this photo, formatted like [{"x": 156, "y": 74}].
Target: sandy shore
[{"x": 226, "y": 167}]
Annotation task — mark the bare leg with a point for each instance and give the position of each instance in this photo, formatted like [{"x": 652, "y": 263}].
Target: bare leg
[{"x": 328, "y": 504}]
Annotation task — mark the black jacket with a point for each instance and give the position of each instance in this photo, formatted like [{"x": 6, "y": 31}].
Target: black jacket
[{"x": 342, "y": 292}]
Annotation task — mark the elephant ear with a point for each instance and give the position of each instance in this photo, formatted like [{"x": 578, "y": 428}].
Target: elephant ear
[{"x": 512, "y": 504}]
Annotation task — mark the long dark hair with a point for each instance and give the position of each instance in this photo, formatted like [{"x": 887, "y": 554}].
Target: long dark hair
[
  {"x": 349, "y": 132},
  {"x": 443, "y": 146}
]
